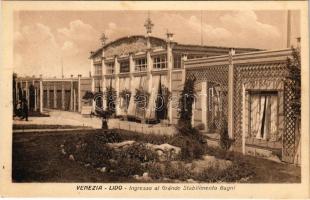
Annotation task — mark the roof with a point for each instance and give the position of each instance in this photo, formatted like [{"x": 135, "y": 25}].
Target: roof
[
  {"x": 123, "y": 39},
  {"x": 177, "y": 46},
  {"x": 207, "y": 47}
]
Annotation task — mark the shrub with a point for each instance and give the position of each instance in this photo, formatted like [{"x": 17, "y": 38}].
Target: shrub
[
  {"x": 147, "y": 138},
  {"x": 186, "y": 101},
  {"x": 200, "y": 126},
  {"x": 225, "y": 141},
  {"x": 137, "y": 151},
  {"x": 127, "y": 167},
  {"x": 191, "y": 147},
  {"x": 176, "y": 170}
]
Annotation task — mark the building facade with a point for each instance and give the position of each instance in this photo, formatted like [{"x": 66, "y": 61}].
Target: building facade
[
  {"x": 144, "y": 63},
  {"x": 52, "y": 93},
  {"x": 252, "y": 92}
]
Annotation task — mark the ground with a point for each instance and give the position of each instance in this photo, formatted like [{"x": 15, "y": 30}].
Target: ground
[{"x": 37, "y": 158}]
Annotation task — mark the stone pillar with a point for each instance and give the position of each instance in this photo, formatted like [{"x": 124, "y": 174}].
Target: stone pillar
[
  {"x": 104, "y": 87},
  {"x": 79, "y": 93},
  {"x": 170, "y": 66},
  {"x": 150, "y": 79},
  {"x": 131, "y": 67},
  {"x": 55, "y": 96},
  {"x": 74, "y": 100},
  {"x": 204, "y": 107},
  {"x": 16, "y": 90},
  {"x": 22, "y": 90},
  {"x": 243, "y": 118},
  {"x": 41, "y": 94},
  {"x": 71, "y": 94},
  {"x": 62, "y": 95},
  {"x": 117, "y": 71},
  {"x": 230, "y": 93},
  {"x": 27, "y": 92},
  {"x": 48, "y": 95},
  {"x": 35, "y": 96}
]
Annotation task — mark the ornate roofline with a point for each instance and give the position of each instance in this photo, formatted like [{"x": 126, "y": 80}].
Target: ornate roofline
[{"x": 124, "y": 38}]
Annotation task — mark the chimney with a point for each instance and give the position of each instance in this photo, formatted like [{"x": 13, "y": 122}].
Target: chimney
[{"x": 288, "y": 42}]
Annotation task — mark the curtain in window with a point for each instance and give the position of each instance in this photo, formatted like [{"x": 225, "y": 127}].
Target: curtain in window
[
  {"x": 274, "y": 134},
  {"x": 150, "y": 113},
  {"x": 124, "y": 84},
  {"x": 134, "y": 85},
  {"x": 255, "y": 115},
  {"x": 216, "y": 102},
  {"x": 260, "y": 118},
  {"x": 263, "y": 121},
  {"x": 141, "y": 111}
]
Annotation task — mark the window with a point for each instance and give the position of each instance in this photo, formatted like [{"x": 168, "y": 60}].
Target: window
[
  {"x": 140, "y": 64},
  {"x": 210, "y": 98},
  {"x": 98, "y": 85},
  {"x": 110, "y": 67},
  {"x": 264, "y": 116},
  {"x": 177, "y": 61},
  {"x": 98, "y": 70},
  {"x": 124, "y": 66},
  {"x": 160, "y": 62}
]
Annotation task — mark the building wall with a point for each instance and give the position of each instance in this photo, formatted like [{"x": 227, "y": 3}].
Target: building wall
[{"x": 257, "y": 72}]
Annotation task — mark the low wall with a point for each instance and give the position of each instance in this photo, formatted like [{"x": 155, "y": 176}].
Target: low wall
[{"x": 142, "y": 128}]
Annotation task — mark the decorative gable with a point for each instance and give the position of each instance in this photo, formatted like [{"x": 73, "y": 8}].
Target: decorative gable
[{"x": 133, "y": 44}]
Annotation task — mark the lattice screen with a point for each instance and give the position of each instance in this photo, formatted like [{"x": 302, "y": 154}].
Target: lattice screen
[
  {"x": 268, "y": 71},
  {"x": 218, "y": 75},
  {"x": 251, "y": 72},
  {"x": 289, "y": 138}
]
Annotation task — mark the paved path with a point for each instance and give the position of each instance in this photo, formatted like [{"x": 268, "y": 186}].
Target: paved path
[
  {"x": 49, "y": 130},
  {"x": 58, "y": 117}
]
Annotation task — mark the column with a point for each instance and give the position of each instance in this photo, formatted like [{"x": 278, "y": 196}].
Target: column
[
  {"x": 230, "y": 93},
  {"x": 35, "y": 95},
  {"x": 74, "y": 100},
  {"x": 117, "y": 71},
  {"x": 55, "y": 96},
  {"x": 79, "y": 93},
  {"x": 204, "y": 117},
  {"x": 169, "y": 65},
  {"x": 103, "y": 73},
  {"x": 27, "y": 92},
  {"x": 150, "y": 80},
  {"x": 16, "y": 90},
  {"x": 62, "y": 95},
  {"x": 71, "y": 94},
  {"x": 22, "y": 90},
  {"x": 48, "y": 95},
  {"x": 104, "y": 87},
  {"x": 41, "y": 94}
]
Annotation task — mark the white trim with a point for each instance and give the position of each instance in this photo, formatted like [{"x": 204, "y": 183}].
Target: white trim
[{"x": 243, "y": 119}]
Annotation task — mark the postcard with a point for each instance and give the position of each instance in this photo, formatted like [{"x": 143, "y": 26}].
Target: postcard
[{"x": 155, "y": 99}]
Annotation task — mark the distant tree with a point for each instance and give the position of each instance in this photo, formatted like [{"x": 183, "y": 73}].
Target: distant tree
[
  {"x": 186, "y": 101},
  {"x": 161, "y": 102},
  {"x": 110, "y": 95}
]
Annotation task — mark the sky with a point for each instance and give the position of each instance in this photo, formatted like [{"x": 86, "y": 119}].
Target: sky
[{"x": 46, "y": 40}]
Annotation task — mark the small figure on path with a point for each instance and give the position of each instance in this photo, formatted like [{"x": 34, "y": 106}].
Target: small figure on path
[
  {"x": 25, "y": 110},
  {"x": 19, "y": 109}
]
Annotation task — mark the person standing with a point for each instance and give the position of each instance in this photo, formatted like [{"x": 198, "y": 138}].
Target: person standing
[{"x": 25, "y": 110}]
